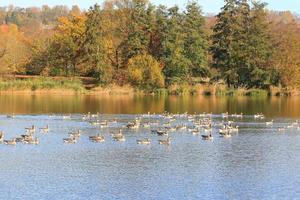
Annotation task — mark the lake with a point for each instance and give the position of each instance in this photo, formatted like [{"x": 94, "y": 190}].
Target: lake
[
  {"x": 127, "y": 104},
  {"x": 259, "y": 162}
]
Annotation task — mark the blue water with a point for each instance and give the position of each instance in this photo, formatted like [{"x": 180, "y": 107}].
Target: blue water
[{"x": 257, "y": 163}]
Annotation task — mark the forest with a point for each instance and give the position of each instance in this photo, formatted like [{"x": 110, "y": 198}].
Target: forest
[{"x": 133, "y": 42}]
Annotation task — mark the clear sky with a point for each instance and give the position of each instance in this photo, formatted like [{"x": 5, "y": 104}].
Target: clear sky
[{"x": 209, "y": 6}]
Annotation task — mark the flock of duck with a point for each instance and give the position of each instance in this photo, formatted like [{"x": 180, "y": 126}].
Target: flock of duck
[{"x": 165, "y": 124}]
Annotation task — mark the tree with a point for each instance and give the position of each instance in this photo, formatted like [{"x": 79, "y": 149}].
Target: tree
[
  {"x": 95, "y": 46},
  {"x": 138, "y": 39},
  {"x": 14, "y": 51},
  {"x": 195, "y": 41},
  {"x": 144, "y": 71},
  {"x": 242, "y": 44},
  {"x": 286, "y": 57},
  {"x": 176, "y": 64},
  {"x": 260, "y": 46},
  {"x": 223, "y": 42},
  {"x": 68, "y": 42}
]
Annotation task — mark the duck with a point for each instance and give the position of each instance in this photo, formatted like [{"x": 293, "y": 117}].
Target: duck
[
  {"x": 10, "y": 142},
  {"x": 146, "y": 141},
  {"x": 165, "y": 142},
  {"x": 97, "y": 138},
  {"x": 45, "y": 129}
]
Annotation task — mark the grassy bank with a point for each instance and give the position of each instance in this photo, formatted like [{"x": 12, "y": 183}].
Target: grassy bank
[
  {"x": 223, "y": 90},
  {"x": 41, "y": 84},
  {"x": 74, "y": 85}
]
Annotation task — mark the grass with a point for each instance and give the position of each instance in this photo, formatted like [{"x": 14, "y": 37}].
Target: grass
[
  {"x": 217, "y": 90},
  {"x": 41, "y": 84},
  {"x": 73, "y": 84}
]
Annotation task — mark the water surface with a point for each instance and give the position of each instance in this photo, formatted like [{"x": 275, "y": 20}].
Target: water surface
[
  {"x": 131, "y": 104},
  {"x": 257, "y": 163}
]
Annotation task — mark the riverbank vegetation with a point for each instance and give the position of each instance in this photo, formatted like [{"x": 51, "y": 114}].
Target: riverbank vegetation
[{"x": 245, "y": 49}]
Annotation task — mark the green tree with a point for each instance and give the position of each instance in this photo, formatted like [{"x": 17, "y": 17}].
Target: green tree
[
  {"x": 95, "y": 45},
  {"x": 223, "y": 40},
  {"x": 241, "y": 44},
  {"x": 196, "y": 41},
  {"x": 176, "y": 64}
]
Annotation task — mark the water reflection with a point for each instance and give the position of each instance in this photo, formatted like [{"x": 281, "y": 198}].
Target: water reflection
[{"x": 37, "y": 104}]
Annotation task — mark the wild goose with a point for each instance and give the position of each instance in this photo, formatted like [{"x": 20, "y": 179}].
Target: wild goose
[
  {"x": 95, "y": 123},
  {"x": 70, "y": 140},
  {"x": 1, "y": 136},
  {"x": 207, "y": 137},
  {"x": 133, "y": 125},
  {"x": 30, "y": 129},
  {"x": 75, "y": 134},
  {"x": 270, "y": 123},
  {"x": 103, "y": 124},
  {"x": 31, "y": 141},
  {"x": 119, "y": 138},
  {"x": 225, "y": 115},
  {"x": 97, "y": 138},
  {"x": 165, "y": 142},
  {"x": 66, "y": 116},
  {"x": 10, "y": 142},
  {"x": 159, "y": 132},
  {"x": 146, "y": 141},
  {"x": 12, "y": 116},
  {"x": 228, "y": 135},
  {"x": 45, "y": 129},
  {"x": 259, "y": 116},
  {"x": 117, "y": 134}
]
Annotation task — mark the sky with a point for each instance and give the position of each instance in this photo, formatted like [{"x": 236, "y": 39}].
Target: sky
[{"x": 208, "y": 6}]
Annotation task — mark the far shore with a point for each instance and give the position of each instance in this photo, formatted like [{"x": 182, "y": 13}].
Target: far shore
[
  {"x": 113, "y": 90},
  {"x": 38, "y": 85}
]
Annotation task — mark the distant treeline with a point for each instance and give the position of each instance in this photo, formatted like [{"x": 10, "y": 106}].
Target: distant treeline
[{"x": 133, "y": 41}]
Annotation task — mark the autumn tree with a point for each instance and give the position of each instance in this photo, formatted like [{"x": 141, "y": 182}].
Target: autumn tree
[
  {"x": 68, "y": 43},
  {"x": 144, "y": 71}
]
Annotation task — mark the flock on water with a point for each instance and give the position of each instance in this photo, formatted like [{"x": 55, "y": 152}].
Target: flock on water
[{"x": 165, "y": 125}]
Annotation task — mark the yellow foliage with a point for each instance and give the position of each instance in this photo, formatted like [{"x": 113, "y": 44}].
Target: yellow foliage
[{"x": 145, "y": 71}]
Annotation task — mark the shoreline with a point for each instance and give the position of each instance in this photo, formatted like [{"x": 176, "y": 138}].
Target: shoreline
[
  {"x": 130, "y": 91},
  {"x": 77, "y": 85}
]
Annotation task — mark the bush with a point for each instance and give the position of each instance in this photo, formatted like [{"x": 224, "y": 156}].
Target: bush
[{"x": 144, "y": 71}]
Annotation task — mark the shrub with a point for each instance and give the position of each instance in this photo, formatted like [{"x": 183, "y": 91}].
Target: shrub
[{"x": 144, "y": 71}]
